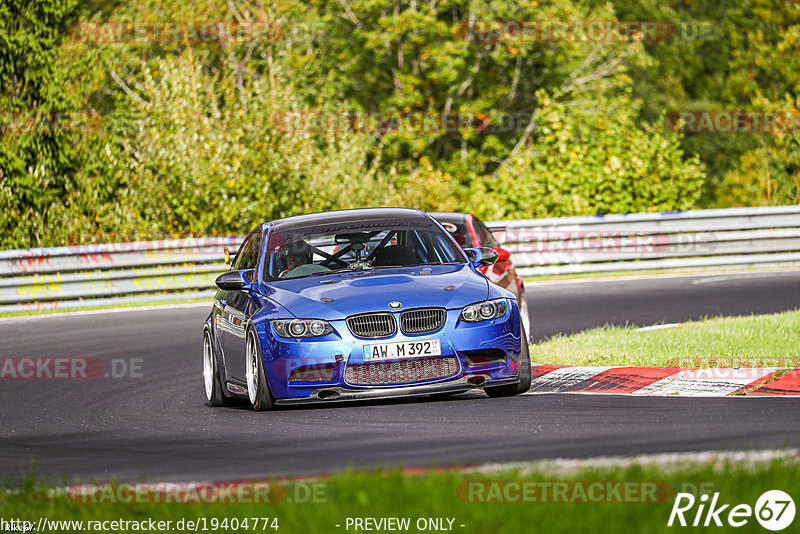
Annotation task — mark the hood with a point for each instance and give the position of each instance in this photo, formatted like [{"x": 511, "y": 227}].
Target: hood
[{"x": 373, "y": 290}]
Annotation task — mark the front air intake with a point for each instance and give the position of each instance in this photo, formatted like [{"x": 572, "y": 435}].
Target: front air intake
[
  {"x": 476, "y": 358},
  {"x": 422, "y": 320},
  {"x": 401, "y": 372},
  {"x": 372, "y": 325}
]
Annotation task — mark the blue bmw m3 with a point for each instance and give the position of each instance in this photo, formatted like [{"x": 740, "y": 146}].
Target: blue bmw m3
[{"x": 360, "y": 304}]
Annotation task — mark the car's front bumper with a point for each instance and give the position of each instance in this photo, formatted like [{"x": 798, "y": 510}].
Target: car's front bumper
[
  {"x": 342, "y": 394},
  {"x": 325, "y": 361}
]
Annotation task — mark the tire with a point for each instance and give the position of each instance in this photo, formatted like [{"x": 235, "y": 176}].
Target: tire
[
  {"x": 524, "y": 383},
  {"x": 213, "y": 387},
  {"x": 257, "y": 388},
  {"x": 524, "y": 314}
]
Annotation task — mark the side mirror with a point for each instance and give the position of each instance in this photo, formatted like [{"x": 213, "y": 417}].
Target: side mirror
[
  {"x": 232, "y": 281},
  {"x": 227, "y": 256},
  {"x": 481, "y": 257}
]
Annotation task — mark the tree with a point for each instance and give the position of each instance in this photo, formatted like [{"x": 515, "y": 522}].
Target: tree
[
  {"x": 37, "y": 157},
  {"x": 589, "y": 158}
]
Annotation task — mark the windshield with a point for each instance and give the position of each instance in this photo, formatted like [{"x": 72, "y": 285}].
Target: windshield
[
  {"x": 458, "y": 229},
  {"x": 301, "y": 251}
]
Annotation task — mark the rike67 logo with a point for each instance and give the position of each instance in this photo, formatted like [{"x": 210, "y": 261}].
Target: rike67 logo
[{"x": 774, "y": 510}]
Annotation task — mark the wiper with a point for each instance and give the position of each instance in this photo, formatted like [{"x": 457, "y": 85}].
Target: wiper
[
  {"x": 418, "y": 264},
  {"x": 334, "y": 271},
  {"x": 440, "y": 263},
  {"x": 352, "y": 268}
]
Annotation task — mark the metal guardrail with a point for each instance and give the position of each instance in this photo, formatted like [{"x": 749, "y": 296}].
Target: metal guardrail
[
  {"x": 701, "y": 239},
  {"x": 148, "y": 271},
  {"x": 87, "y": 275}
]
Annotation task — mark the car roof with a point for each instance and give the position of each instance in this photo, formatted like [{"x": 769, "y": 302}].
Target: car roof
[
  {"x": 449, "y": 216},
  {"x": 346, "y": 216}
]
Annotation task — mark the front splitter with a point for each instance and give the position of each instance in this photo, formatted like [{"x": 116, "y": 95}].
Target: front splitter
[{"x": 340, "y": 394}]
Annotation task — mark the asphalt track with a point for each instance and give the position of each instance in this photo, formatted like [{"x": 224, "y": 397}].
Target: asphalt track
[{"x": 157, "y": 427}]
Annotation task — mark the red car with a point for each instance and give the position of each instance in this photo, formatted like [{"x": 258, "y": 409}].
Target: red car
[{"x": 469, "y": 231}]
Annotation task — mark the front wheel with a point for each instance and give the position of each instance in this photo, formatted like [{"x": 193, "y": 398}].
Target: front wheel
[
  {"x": 257, "y": 388},
  {"x": 214, "y": 395},
  {"x": 524, "y": 383},
  {"x": 524, "y": 313}
]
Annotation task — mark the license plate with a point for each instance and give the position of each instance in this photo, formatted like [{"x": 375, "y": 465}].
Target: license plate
[{"x": 403, "y": 349}]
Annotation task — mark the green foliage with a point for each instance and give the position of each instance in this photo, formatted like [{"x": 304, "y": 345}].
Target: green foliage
[
  {"x": 34, "y": 166},
  {"x": 444, "y": 493},
  {"x": 203, "y": 161},
  {"x": 192, "y": 140},
  {"x": 770, "y": 173},
  {"x": 420, "y": 59},
  {"x": 590, "y": 158},
  {"x": 726, "y": 56}
]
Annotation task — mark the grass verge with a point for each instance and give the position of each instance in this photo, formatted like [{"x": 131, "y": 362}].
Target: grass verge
[
  {"x": 455, "y": 495},
  {"x": 754, "y": 341}
]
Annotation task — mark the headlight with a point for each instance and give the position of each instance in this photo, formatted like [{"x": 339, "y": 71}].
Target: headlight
[
  {"x": 483, "y": 311},
  {"x": 302, "y": 327}
]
